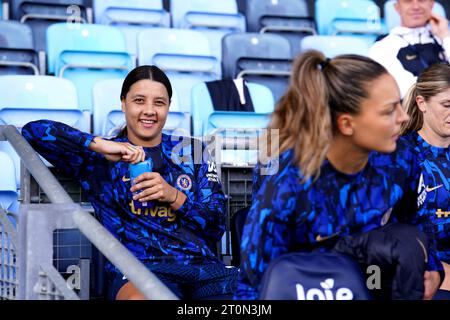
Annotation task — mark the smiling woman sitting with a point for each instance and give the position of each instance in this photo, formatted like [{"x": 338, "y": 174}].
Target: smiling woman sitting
[{"x": 170, "y": 218}]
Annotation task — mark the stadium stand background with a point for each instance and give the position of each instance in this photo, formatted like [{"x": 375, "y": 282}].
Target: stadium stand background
[{"x": 50, "y": 69}]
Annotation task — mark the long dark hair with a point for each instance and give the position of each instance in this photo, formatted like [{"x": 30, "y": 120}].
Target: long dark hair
[
  {"x": 145, "y": 72},
  {"x": 320, "y": 89}
]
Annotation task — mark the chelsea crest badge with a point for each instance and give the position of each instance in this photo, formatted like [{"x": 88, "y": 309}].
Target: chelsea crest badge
[{"x": 184, "y": 182}]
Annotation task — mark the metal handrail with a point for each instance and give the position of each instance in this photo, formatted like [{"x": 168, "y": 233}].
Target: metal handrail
[{"x": 145, "y": 281}]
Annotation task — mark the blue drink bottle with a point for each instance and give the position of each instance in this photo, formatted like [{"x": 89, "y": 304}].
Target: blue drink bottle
[{"x": 135, "y": 171}]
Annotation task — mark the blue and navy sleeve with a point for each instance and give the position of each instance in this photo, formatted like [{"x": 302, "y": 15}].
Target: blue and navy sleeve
[
  {"x": 205, "y": 213},
  {"x": 412, "y": 157},
  {"x": 63, "y": 146},
  {"x": 268, "y": 230},
  {"x": 405, "y": 163}
]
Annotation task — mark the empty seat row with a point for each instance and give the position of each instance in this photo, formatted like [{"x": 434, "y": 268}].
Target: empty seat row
[
  {"x": 289, "y": 18},
  {"x": 86, "y": 54}
]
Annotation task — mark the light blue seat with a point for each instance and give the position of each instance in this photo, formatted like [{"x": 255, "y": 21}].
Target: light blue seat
[
  {"x": 213, "y": 18},
  {"x": 8, "y": 190},
  {"x": 28, "y": 98},
  {"x": 332, "y": 46},
  {"x": 343, "y": 17},
  {"x": 107, "y": 113},
  {"x": 392, "y": 18},
  {"x": 39, "y": 14},
  {"x": 131, "y": 17},
  {"x": 184, "y": 55},
  {"x": 231, "y": 124},
  {"x": 85, "y": 54}
]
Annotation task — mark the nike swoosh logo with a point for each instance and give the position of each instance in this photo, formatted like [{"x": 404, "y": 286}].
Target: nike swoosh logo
[
  {"x": 320, "y": 238},
  {"x": 411, "y": 57},
  {"x": 428, "y": 189},
  {"x": 125, "y": 179}
]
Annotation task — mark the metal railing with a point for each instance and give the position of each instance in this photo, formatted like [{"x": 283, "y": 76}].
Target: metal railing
[
  {"x": 8, "y": 258},
  {"x": 144, "y": 280}
]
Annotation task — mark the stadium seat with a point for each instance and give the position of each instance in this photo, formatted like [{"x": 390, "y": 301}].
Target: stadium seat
[
  {"x": 332, "y": 46},
  {"x": 184, "y": 55},
  {"x": 206, "y": 120},
  {"x": 107, "y": 113},
  {"x": 86, "y": 54},
  {"x": 17, "y": 54},
  {"x": 131, "y": 17},
  {"x": 28, "y": 98},
  {"x": 8, "y": 189},
  {"x": 231, "y": 124},
  {"x": 288, "y": 18},
  {"x": 259, "y": 58},
  {"x": 392, "y": 18},
  {"x": 344, "y": 17},
  {"x": 213, "y": 18},
  {"x": 39, "y": 14},
  {"x": 314, "y": 276}
]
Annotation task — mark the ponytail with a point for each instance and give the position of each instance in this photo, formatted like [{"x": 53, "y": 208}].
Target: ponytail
[
  {"x": 303, "y": 115},
  {"x": 320, "y": 89}
]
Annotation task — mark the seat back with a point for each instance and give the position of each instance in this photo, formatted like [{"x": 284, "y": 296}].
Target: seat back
[
  {"x": 314, "y": 276},
  {"x": 205, "y": 119},
  {"x": 184, "y": 55},
  {"x": 392, "y": 18},
  {"x": 332, "y": 46},
  {"x": 28, "y": 98},
  {"x": 197, "y": 13},
  {"x": 63, "y": 38},
  {"x": 17, "y": 54},
  {"x": 348, "y": 16},
  {"x": 288, "y": 18},
  {"x": 214, "y": 19},
  {"x": 40, "y": 14},
  {"x": 131, "y": 17},
  {"x": 86, "y": 54},
  {"x": 259, "y": 58},
  {"x": 264, "y": 13},
  {"x": 232, "y": 124},
  {"x": 36, "y": 9}
]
